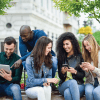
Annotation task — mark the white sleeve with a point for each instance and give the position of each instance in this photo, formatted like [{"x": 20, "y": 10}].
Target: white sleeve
[{"x": 96, "y": 71}]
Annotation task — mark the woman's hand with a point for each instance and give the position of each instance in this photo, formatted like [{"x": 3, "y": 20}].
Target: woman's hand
[
  {"x": 5, "y": 75},
  {"x": 52, "y": 80},
  {"x": 64, "y": 70},
  {"x": 72, "y": 70},
  {"x": 87, "y": 65},
  {"x": 46, "y": 84},
  {"x": 83, "y": 68}
]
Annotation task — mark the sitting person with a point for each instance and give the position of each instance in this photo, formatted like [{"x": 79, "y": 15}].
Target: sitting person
[
  {"x": 27, "y": 41},
  {"x": 39, "y": 70},
  {"x": 68, "y": 52},
  {"x": 91, "y": 56},
  {"x": 9, "y": 82}
]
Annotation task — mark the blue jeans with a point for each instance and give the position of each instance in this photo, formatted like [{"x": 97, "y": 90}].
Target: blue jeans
[
  {"x": 81, "y": 90},
  {"x": 92, "y": 93},
  {"x": 12, "y": 90},
  {"x": 54, "y": 65},
  {"x": 70, "y": 90}
]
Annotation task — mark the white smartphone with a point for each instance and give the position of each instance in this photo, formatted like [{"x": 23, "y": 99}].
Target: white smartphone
[{"x": 5, "y": 67}]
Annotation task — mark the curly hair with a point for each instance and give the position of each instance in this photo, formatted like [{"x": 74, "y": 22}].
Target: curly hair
[
  {"x": 94, "y": 53},
  {"x": 38, "y": 53},
  {"x": 61, "y": 53}
]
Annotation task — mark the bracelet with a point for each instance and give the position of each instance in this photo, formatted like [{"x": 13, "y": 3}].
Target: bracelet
[{"x": 75, "y": 72}]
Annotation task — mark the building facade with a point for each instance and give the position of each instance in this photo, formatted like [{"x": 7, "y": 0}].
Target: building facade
[{"x": 38, "y": 14}]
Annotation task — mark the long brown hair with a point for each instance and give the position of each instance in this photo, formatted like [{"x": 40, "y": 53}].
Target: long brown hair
[
  {"x": 93, "y": 56},
  {"x": 38, "y": 53}
]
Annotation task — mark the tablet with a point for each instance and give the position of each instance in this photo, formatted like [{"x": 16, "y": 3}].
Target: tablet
[{"x": 5, "y": 67}]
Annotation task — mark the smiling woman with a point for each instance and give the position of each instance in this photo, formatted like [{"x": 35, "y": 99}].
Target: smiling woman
[
  {"x": 39, "y": 70},
  {"x": 68, "y": 52},
  {"x": 91, "y": 56}
]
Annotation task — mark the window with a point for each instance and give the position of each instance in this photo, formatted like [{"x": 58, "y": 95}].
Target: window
[
  {"x": 52, "y": 36},
  {"x": 52, "y": 6},
  {"x": 41, "y": 3},
  {"x": 47, "y": 4},
  {"x": 48, "y": 34},
  {"x": 8, "y": 25},
  {"x": 56, "y": 37},
  {"x": 35, "y": 28}
]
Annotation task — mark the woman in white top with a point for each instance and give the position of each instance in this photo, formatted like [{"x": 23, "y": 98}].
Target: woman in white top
[{"x": 91, "y": 56}]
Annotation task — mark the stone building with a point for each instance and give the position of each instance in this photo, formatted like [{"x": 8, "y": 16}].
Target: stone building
[{"x": 38, "y": 14}]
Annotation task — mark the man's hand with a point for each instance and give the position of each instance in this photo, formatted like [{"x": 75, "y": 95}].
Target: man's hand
[
  {"x": 6, "y": 75},
  {"x": 17, "y": 64}
]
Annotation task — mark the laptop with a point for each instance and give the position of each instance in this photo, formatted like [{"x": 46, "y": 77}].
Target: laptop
[{"x": 5, "y": 67}]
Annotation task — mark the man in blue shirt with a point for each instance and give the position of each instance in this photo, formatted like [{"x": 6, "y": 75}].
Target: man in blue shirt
[{"x": 27, "y": 41}]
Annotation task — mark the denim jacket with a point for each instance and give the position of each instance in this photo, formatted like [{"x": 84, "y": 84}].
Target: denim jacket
[{"x": 35, "y": 79}]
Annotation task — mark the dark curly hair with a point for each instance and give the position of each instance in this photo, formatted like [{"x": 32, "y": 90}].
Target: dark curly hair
[{"x": 61, "y": 53}]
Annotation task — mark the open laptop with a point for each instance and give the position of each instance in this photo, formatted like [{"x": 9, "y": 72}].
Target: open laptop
[{"x": 5, "y": 67}]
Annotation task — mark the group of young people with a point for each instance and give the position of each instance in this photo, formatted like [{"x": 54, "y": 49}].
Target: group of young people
[
  {"x": 41, "y": 64},
  {"x": 87, "y": 64}
]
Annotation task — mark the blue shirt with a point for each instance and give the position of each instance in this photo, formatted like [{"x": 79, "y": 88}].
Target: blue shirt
[
  {"x": 23, "y": 47},
  {"x": 36, "y": 79}
]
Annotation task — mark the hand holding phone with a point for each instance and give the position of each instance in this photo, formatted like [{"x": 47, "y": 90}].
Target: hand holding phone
[{"x": 66, "y": 65}]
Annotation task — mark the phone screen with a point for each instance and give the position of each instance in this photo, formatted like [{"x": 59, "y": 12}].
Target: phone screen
[{"x": 66, "y": 65}]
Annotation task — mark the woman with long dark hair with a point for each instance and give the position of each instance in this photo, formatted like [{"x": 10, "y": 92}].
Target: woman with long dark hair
[
  {"x": 39, "y": 70},
  {"x": 68, "y": 54}
]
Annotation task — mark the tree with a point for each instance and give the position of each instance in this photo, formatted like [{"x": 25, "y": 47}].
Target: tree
[
  {"x": 91, "y": 7},
  {"x": 4, "y": 4},
  {"x": 97, "y": 36}
]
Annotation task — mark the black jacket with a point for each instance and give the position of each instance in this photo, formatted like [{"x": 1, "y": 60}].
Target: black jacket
[{"x": 72, "y": 61}]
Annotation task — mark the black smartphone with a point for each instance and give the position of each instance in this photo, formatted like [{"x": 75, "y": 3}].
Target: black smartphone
[{"x": 66, "y": 65}]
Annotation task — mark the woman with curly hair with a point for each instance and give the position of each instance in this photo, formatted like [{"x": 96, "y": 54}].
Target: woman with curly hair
[
  {"x": 68, "y": 52},
  {"x": 91, "y": 56},
  {"x": 39, "y": 70}
]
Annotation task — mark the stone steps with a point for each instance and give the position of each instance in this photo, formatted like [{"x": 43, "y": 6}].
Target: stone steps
[{"x": 54, "y": 96}]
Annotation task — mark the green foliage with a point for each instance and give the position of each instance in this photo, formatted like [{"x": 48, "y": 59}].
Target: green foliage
[
  {"x": 4, "y": 4},
  {"x": 79, "y": 6},
  {"x": 22, "y": 78},
  {"x": 97, "y": 36},
  {"x": 80, "y": 38}
]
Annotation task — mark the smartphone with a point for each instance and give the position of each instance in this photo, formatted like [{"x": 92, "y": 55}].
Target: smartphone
[{"x": 66, "y": 65}]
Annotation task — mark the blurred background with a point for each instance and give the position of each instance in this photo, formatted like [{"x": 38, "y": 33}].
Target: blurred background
[{"x": 39, "y": 14}]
